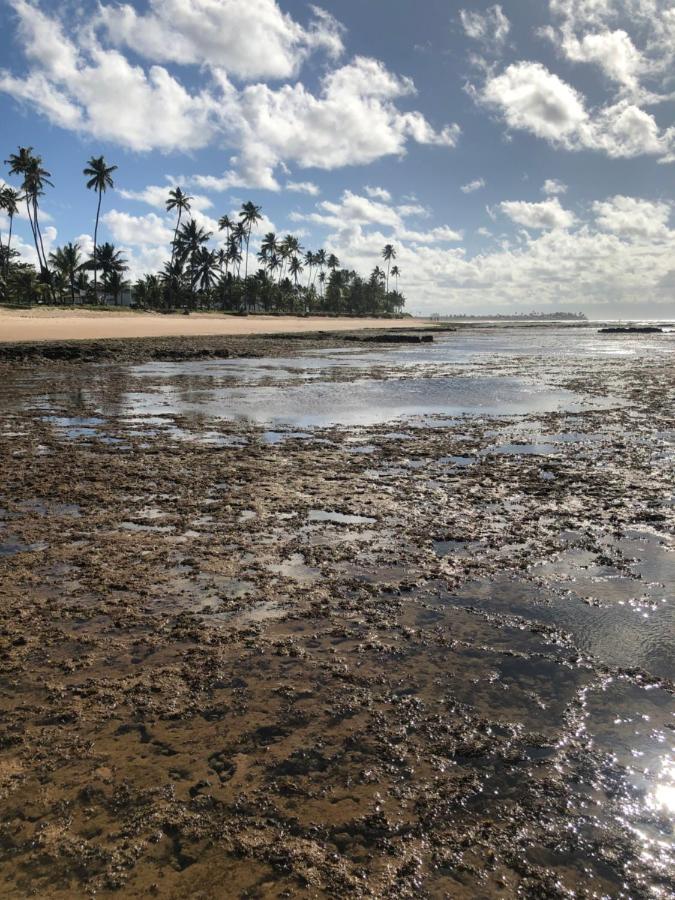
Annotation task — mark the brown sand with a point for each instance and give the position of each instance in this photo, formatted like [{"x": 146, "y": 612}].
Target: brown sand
[{"x": 59, "y": 325}]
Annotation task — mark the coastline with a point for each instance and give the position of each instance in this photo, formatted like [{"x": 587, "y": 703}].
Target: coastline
[{"x": 50, "y": 324}]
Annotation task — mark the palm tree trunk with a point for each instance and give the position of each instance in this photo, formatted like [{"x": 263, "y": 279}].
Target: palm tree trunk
[
  {"x": 388, "y": 267},
  {"x": 173, "y": 256},
  {"x": 32, "y": 228},
  {"x": 43, "y": 263},
  {"x": 98, "y": 211},
  {"x": 9, "y": 246},
  {"x": 248, "y": 238}
]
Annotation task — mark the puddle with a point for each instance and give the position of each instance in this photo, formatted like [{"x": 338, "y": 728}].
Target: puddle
[
  {"x": 296, "y": 569},
  {"x": 75, "y": 426},
  {"x": 367, "y": 402},
  {"x": 12, "y": 547},
  {"x": 458, "y": 461},
  {"x": 322, "y": 515},
  {"x": 520, "y": 450}
]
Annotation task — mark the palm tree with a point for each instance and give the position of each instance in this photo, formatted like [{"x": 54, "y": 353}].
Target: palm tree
[
  {"x": 268, "y": 247},
  {"x": 249, "y": 216},
  {"x": 310, "y": 259},
  {"x": 116, "y": 284},
  {"x": 223, "y": 259},
  {"x": 290, "y": 246},
  {"x": 320, "y": 260},
  {"x": 388, "y": 253},
  {"x": 100, "y": 179},
  {"x": 234, "y": 250},
  {"x": 295, "y": 268},
  {"x": 395, "y": 271},
  {"x": 179, "y": 200},
  {"x": 333, "y": 262},
  {"x": 111, "y": 262},
  {"x": 9, "y": 202},
  {"x": 225, "y": 224},
  {"x": 190, "y": 241},
  {"x": 206, "y": 268},
  {"x": 67, "y": 261},
  {"x": 35, "y": 177}
]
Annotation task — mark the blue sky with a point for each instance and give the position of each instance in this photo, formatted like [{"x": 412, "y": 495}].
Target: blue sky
[{"x": 519, "y": 155}]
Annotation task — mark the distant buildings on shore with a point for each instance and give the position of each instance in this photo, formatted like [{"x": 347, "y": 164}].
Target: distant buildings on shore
[{"x": 567, "y": 316}]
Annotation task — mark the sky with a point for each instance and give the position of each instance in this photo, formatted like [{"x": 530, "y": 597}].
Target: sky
[{"x": 520, "y": 156}]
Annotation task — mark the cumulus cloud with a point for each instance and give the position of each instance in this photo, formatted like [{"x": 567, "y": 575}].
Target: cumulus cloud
[
  {"x": 531, "y": 98},
  {"x": 633, "y": 217},
  {"x": 354, "y": 211},
  {"x": 353, "y": 117},
  {"x": 631, "y": 41},
  {"x": 248, "y": 40},
  {"x": 552, "y": 186},
  {"x": 612, "y": 51},
  {"x": 378, "y": 193},
  {"x": 303, "y": 187},
  {"x": 150, "y": 229},
  {"x": 556, "y": 268},
  {"x": 156, "y": 195},
  {"x": 472, "y": 186},
  {"x": 491, "y": 28},
  {"x": 547, "y": 214},
  {"x": 101, "y": 93}
]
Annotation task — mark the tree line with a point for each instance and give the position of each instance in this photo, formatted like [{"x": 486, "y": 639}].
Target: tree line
[{"x": 283, "y": 276}]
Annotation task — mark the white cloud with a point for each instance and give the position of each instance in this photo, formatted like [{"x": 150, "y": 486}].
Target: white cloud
[
  {"x": 354, "y": 211},
  {"x": 633, "y": 217},
  {"x": 631, "y": 41},
  {"x": 99, "y": 92},
  {"x": 440, "y": 235},
  {"x": 378, "y": 193},
  {"x": 352, "y": 119},
  {"x": 248, "y": 40},
  {"x": 552, "y": 186},
  {"x": 150, "y": 229},
  {"x": 156, "y": 195},
  {"x": 584, "y": 269},
  {"x": 472, "y": 186},
  {"x": 86, "y": 244},
  {"x": 612, "y": 51},
  {"x": 303, "y": 187},
  {"x": 547, "y": 214},
  {"x": 491, "y": 28},
  {"x": 531, "y": 98}
]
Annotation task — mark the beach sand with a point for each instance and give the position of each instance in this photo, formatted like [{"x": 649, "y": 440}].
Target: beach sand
[{"x": 64, "y": 324}]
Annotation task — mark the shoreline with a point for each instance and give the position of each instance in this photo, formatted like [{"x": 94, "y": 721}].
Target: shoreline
[
  {"x": 49, "y": 325},
  {"x": 199, "y": 347}
]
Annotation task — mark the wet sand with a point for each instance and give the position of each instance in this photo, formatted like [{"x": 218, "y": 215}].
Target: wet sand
[
  {"x": 61, "y": 325},
  {"x": 250, "y": 653}
]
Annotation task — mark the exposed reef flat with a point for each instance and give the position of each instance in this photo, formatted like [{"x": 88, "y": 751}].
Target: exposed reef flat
[
  {"x": 632, "y": 329},
  {"x": 340, "y": 621}
]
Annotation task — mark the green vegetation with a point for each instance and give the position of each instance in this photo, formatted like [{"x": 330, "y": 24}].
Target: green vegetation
[{"x": 287, "y": 279}]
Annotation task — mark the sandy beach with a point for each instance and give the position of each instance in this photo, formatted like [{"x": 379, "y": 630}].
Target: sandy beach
[{"x": 64, "y": 325}]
